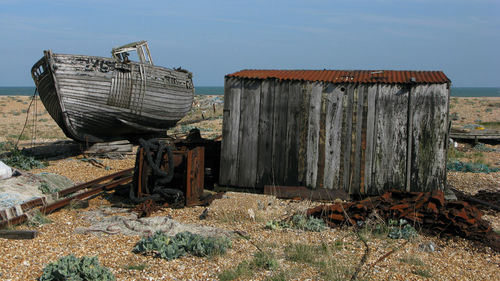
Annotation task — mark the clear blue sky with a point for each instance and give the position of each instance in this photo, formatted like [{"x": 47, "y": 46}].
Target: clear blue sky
[{"x": 212, "y": 38}]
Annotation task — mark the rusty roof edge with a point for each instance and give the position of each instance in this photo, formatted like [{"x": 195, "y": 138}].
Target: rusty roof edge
[{"x": 436, "y": 76}]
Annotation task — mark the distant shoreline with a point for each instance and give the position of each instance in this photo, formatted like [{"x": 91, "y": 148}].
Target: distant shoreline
[{"x": 213, "y": 90}]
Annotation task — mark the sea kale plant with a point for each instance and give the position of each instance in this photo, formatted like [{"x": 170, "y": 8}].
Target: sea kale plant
[
  {"x": 18, "y": 159},
  {"x": 76, "y": 269},
  {"x": 172, "y": 247}
]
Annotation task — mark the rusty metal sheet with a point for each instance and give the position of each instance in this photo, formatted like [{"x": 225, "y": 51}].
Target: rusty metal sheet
[
  {"x": 347, "y": 76},
  {"x": 429, "y": 210}
]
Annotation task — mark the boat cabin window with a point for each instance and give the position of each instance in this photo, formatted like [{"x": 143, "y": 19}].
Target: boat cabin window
[{"x": 137, "y": 51}]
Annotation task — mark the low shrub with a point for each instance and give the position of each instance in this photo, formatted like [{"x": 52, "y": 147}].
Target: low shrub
[
  {"x": 18, "y": 159},
  {"x": 73, "y": 268},
  {"x": 172, "y": 247},
  {"x": 37, "y": 219},
  {"x": 400, "y": 229},
  {"x": 483, "y": 148},
  {"x": 459, "y": 166}
]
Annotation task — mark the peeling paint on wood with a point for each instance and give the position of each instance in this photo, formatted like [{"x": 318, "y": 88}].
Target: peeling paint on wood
[{"x": 343, "y": 136}]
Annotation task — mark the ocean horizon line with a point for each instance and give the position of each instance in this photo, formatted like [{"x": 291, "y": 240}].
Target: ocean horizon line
[{"x": 219, "y": 90}]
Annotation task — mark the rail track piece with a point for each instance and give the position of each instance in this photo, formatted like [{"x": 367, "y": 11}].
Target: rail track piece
[{"x": 93, "y": 187}]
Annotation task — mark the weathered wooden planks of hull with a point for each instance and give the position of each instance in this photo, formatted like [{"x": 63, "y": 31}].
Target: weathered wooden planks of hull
[{"x": 97, "y": 99}]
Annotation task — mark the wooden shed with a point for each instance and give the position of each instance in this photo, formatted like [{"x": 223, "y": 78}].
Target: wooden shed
[{"x": 361, "y": 131}]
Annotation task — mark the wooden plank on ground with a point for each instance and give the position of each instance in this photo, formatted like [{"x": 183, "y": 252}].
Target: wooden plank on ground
[{"x": 18, "y": 234}]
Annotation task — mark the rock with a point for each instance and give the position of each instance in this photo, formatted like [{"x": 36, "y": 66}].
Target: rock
[
  {"x": 204, "y": 214},
  {"x": 428, "y": 247},
  {"x": 5, "y": 171}
]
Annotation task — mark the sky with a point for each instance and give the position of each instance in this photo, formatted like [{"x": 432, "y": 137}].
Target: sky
[{"x": 213, "y": 38}]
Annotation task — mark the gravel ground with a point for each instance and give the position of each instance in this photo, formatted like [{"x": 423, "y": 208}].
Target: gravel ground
[{"x": 454, "y": 258}]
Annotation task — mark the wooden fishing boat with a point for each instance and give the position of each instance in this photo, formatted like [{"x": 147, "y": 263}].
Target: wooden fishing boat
[{"x": 97, "y": 99}]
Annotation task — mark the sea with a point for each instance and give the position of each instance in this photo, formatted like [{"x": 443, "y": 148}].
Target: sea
[{"x": 455, "y": 91}]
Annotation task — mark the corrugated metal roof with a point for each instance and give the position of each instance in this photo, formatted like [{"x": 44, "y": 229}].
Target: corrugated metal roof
[{"x": 347, "y": 76}]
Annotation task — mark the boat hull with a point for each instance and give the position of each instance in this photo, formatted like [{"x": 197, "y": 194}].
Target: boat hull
[{"x": 96, "y": 99}]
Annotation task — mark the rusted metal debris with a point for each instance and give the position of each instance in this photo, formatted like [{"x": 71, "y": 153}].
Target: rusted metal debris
[
  {"x": 185, "y": 171},
  {"x": 80, "y": 191},
  {"x": 146, "y": 208},
  {"x": 426, "y": 209}
]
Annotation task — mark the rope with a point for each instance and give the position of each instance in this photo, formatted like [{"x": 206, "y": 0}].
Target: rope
[
  {"x": 27, "y": 118},
  {"x": 161, "y": 178}
]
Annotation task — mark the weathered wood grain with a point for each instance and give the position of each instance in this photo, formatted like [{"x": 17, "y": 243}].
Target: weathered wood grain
[
  {"x": 292, "y": 136},
  {"x": 313, "y": 134},
  {"x": 347, "y": 137},
  {"x": 359, "y": 139},
  {"x": 391, "y": 137},
  {"x": 370, "y": 138},
  {"x": 154, "y": 96},
  {"x": 281, "y": 93},
  {"x": 248, "y": 133},
  {"x": 265, "y": 135},
  {"x": 429, "y": 128},
  {"x": 333, "y": 133},
  {"x": 230, "y": 129}
]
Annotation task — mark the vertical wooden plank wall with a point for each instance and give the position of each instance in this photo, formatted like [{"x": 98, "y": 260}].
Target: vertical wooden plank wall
[
  {"x": 230, "y": 132},
  {"x": 274, "y": 132},
  {"x": 333, "y": 132},
  {"x": 430, "y": 125},
  {"x": 248, "y": 132},
  {"x": 265, "y": 135},
  {"x": 313, "y": 135},
  {"x": 390, "y": 143}
]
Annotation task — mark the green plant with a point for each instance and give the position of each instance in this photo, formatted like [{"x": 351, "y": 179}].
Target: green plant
[
  {"x": 37, "y": 219},
  {"x": 45, "y": 188},
  {"x": 400, "y": 229},
  {"x": 172, "y": 247},
  {"x": 422, "y": 272},
  {"x": 261, "y": 260},
  {"x": 483, "y": 148},
  {"x": 138, "y": 267},
  {"x": 244, "y": 269},
  {"x": 330, "y": 269},
  {"x": 276, "y": 225},
  {"x": 454, "y": 153},
  {"x": 454, "y": 116},
  {"x": 300, "y": 222},
  {"x": 18, "y": 159},
  {"x": 459, "y": 166},
  {"x": 412, "y": 260},
  {"x": 278, "y": 276},
  {"x": 302, "y": 253},
  {"x": 77, "y": 269},
  {"x": 265, "y": 260}
]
